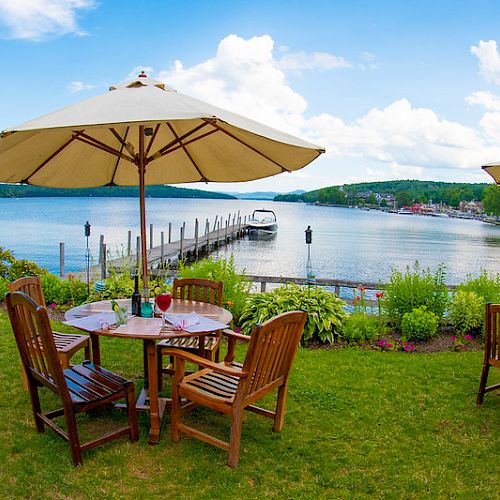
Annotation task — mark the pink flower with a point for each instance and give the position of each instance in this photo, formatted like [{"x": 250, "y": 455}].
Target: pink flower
[
  {"x": 390, "y": 346},
  {"x": 53, "y": 306},
  {"x": 453, "y": 338},
  {"x": 381, "y": 343},
  {"x": 467, "y": 337}
]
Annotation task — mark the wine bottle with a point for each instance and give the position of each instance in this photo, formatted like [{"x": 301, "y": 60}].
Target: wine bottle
[{"x": 136, "y": 298}]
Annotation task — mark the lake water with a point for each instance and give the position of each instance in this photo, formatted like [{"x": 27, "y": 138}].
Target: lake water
[{"x": 347, "y": 243}]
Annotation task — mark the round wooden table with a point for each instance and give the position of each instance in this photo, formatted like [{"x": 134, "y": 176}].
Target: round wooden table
[{"x": 149, "y": 330}]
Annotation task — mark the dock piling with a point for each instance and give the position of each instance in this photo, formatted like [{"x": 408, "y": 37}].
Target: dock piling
[{"x": 61, "y": 260}]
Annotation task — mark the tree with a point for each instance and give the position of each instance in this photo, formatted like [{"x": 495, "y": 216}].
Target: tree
[
  {"x": 491, "y": 200},
  {"x": 404, "y": 198}
]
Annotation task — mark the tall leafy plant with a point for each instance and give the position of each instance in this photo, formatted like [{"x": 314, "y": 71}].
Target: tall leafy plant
[
  {"x": 236, "y": 285},
  {"x": 413, "y": 288}
]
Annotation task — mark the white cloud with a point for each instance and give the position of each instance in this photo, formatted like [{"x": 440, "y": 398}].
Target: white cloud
[
  {"x": 242, "y": 77},
  {"x": 485, "y": 99},
  {"x": 317, "y": 60},
  {"x": 489, "y": 60},
  {"x": 36, "y": 19},
  {"x": 398, "y": 140},
  {"x": 76, "y": 86}
]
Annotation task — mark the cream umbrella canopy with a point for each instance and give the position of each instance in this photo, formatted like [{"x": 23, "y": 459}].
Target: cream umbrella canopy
[
  {"x": 494, "y": 170},
  {"x": 144, "y": 133}
]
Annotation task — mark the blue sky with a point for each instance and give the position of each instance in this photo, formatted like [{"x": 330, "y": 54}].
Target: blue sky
[{"x": 392, "y": 89}]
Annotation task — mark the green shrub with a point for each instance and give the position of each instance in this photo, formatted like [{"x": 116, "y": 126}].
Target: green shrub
[
  {"x": 23, "y": 267},
  {"x": 6, "y": 260},
  {"x": 324, "y": 310},
  {"x": 419, "y": 324},
  {"x": 359, "y": 327},
  {"x": 236, "y": 285},
  {"x": 485, "y": 285},
  {"x": 3, "y": 287},
  {"x": 466, "y": 311},
  {"x": 414, "y": 288},
  {"x": 117, "y": 285}
]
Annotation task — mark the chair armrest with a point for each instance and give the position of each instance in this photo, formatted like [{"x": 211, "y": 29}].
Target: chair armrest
[
  {"x": 206, "y": 363},
  {"x": 232, "y": 337},
  {"x": 238, "y": 336}
]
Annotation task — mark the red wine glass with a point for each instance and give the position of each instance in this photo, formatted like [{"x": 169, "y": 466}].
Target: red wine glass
[{"x": 163, "y": 301}]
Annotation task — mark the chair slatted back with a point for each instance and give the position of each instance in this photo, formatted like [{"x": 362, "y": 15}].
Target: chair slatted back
[
  {"x": 31, "y": 286},
  {"x": 492, "y": 332},
  {"x": 35, "y": 342},
  {"x": 198, "y": 289},
  {"x": 271, "y": 350}
]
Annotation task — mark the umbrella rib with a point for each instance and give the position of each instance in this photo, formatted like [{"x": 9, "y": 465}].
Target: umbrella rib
[
  {"x": 53, "y": 155},
  {"x": 203, "y": 178},
  {"x": 122, "y": 142},
  {"x": 150, "y": 144},
  {"x": 202, "y": 136},
  {"x": 218, "y": 127},
  {"x": 164, "y": 149},
  {"x": 91, "y": 141}
]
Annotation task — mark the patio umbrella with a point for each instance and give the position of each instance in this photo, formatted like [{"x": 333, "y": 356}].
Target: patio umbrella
[
  {"x": 494, "y": 170},
  {"x": 142, "y": 133}
]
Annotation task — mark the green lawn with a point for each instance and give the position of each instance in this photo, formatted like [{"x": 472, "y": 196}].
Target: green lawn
[{"x": 359, "y": 425}]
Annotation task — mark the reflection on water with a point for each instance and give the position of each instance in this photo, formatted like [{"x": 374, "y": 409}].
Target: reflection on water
[{"x": 347, "y": 243}]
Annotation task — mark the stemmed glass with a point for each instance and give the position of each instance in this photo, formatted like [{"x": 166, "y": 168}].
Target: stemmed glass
[{"x": 163, "y": 301}]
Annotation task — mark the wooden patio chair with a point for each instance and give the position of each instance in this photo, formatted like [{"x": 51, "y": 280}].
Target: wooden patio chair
[
  {"x": 200, "y": 290},
  {"x": 66, "y": 344},
  {"x": 231, "y": 387},
  {"x": 81, "y": 388},
  {"x": 491, "y": 349}
]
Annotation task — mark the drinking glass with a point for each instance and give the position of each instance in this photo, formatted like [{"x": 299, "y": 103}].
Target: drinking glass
[{"x": 163, "y": 301}]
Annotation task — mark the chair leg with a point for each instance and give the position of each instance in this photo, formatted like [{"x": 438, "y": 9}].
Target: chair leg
[
  {"x": 159, "y": 368},
  {"x": 235, "y": 437},
  {"x": 132, "y": 414},
  {"x": 482, "y": 384},
  {"x": 24, "y": 378},
  {"x": 87, "y": 351},
  {"x": 64, "y": 359},
  {"x": 280, "y": 408},
  {"x": 175, "y": 433},
  {"x": 74, "y": 440},
  {"x": 35, "y": 404}
]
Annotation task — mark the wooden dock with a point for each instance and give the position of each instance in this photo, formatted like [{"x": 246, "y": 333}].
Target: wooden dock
[{"x": 169, "y": 252}]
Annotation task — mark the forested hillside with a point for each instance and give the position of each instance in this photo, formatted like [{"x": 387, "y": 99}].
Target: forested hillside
[
  {"x": 404, "y": 191},
  {"x": 16, "y": 191}
]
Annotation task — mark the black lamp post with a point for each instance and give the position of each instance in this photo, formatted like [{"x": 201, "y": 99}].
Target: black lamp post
[
  {"x": 310, "y": 278},
  {"x": 86, "y": 227}
]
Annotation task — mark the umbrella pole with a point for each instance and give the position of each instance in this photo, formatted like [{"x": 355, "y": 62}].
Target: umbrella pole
[{"x": 142, "y": 207}]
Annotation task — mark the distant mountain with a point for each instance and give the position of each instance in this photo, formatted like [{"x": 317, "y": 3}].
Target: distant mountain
[
  {"x": 18, "y": 191},
  {"x": 261, "y": 195}
]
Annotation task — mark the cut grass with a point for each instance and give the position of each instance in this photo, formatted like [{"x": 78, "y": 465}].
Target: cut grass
[{"x": 359, "y": 424}]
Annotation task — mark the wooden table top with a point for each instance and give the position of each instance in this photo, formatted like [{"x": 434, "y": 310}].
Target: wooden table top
[{"x": 149, "y": 328}]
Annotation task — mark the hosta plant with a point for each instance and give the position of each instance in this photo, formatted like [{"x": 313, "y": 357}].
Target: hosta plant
[{"x": 325, "y": 313}]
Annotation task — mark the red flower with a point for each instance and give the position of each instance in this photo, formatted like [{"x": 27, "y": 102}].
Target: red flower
[
  {"x": 379, "y": 295},
  {"x": 357, "y": 299},
  {"x": 361, "y": 288}
]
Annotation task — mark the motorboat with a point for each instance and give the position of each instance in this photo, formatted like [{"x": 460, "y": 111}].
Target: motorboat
[
  {"x": 263, "y": 221},
  {"x": 405, "y": 211}
]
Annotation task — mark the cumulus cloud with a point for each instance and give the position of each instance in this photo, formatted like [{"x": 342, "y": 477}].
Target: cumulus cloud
[
  {"x": 37, "y": 19},
  {"x": 76, "y": 86},
  {"x": 489, "y": 60},
  {"x": 317, "y": 60},
  {"x": 485, "y": 99},
  {"x": 244, "y": 76}
]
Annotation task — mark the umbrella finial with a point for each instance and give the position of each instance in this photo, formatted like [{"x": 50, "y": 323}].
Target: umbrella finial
[{"x": 143, "y": 75}]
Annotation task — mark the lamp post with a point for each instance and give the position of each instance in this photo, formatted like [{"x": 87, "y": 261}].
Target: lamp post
[
  {"x": 86, "y": 227},
  {"x": 310, "y": 278}
]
